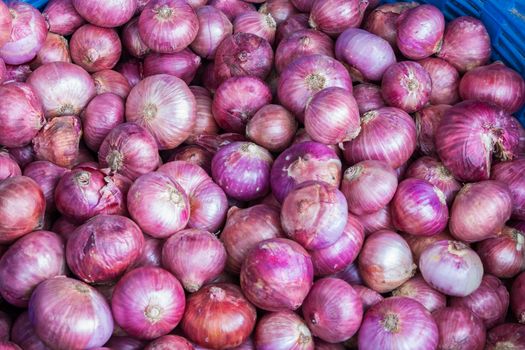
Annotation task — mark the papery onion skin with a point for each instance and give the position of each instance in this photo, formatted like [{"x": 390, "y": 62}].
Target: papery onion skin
[
  {"x": 511, "y": 173},
  {"x": 214, "y": 27},
  {"x": 333, "y": 310},
  {"x": 245, "y": 228},
  {"x": 489, "y": 302},
  {"x": 61, "y": 17},
  {"x": 22, "y": 207},
  {"x": 334, "y": 16},
  {"x": 262, "y": 25},
  {"x": 165, "y": 106},
  {"x": 427, "y": 122},
  {"x": 283, "y": 330},
  {"x": 102, "y": 114},
  {"x": 55, "y": 49},
  {"x": 277, "y": 264},
  {"x": 148, "y": 302},
  {"x": 387, "y": 134},
  {"x": 28, "y": 34},
  {"x": 379, "y": 220},
  {"x": 280, "y": 10},
  {"x": 111, "y": 81},
  {"x": 195, "y": 257},
  {"x": 416, "y": 288},
  {"x": 8, "y": 166},
  {"x": 46, "y": 175},
  {"x": 30, "y": 260},
  {"x": 385, "y": 262},
  {"x": 6, "y": 24},
  {"x": 368, "y": 97},
  {"x": 398, "y": 323},
  {"x": 306, "y": 76},
  {"x": 291, "y": 25},
  {"x": 64, "y": 88},
  {"x": 516, "y": 298},
  {"x": 23, "y": 334},
  {"x": 508, "y": 334},
  {"x": 368, "y": 186},
  {"x": 451, "y": 267},
  {"x": 466, "y": 44},
  {"x": 182, "y": 64},
  {"x": 480, "y": 210},
  {"x": 131, "y": 39},
  {"x": 158, "y": 205},
  {"x": 445, "y": 81},
  {"x": 95, "y": 48},
  {"x": 86, "y": 315},
  {"x": 470, "y": 134},
  {"x": 369, "y": 297},
  {"x": 232, "y": 8},
  {"x": 219, "y": 316},
  {"x": 168, "y": 342},
  {"x": 272, "y": 127},
  {"x": 459, "y": 329},
  {"x": 359, "y": 49},
  {"x": 106, "y": 13}
]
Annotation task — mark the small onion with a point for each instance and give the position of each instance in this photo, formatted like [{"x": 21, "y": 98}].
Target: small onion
[
  {"x": 418, "y": 244},
  {"x": 416, "y": 288},
  {"x": 103, "y": 13},
  {"x": 387, "y": 134},
  {"x": 111, "y": 81},
  {"x": 427, "y": 122},
  {"x": 445, "y": 81},
  {"x": 193, "y": 154},
  {"x": 195, "y": 257},
  {"x": 398, "y": 323},
  {"x": 168, "y": 342},
  {"x": 368, "y": 97},
  {"x": 451, "y": 267},
  {"x": 283, "y": 330},
  {"x": 61, "y": 17},
  {"x": 489, "y": 302},
  {"x": 459, "y": 329},
  {"x": 219, "y": 316},
  {"x": 86, "y": 316},
  {"x": 231, "y": 8},
  {"x": 8, "y": 166},
  {"x": 516, "y": 298},
  {"x": 334, "y": 16},
  {"x": 46, "y": 175},
  {"x": 148, "y": 302},
  {"x": 333, "y": 310},
  {"x": 368, "y": 186},
  {"x": 182, "y": 64},
  {"x": 385, "y": 262},
  {"x": 64, "y": 88},
  {"x": 280, "y": 10},
  {"x": 506, "y": 335},
  {"x": 262, "y": 25},
  {"x": 272, "y": 127},
  {"x": 131, "y": 69},
  {"x": 23, "y": 333},
  {"x": 214, "y": 27},
  {"x": 55, "y": 49},
  {"x": 511, "y": 173},
  {"x": 131, "y": 39},
  {"x": 95, "y": 48},
  {"x": 379, "y": 220},
  {"x": 277, "y": 275},
  {"x": 158, "y": 205},
  {"x": 291, "y": 25},
  {"x": 466, "y": 44},
  {"x": 480, "y": 210},
  {"x": 369, "y": 297}
]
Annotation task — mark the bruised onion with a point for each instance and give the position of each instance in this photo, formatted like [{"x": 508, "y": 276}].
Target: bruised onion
[
  {"x": 131, "y": 39},
  {"x": 61, "y": 17},
  {"x": 277, "y": 275},
  {"x": 55, "y": 49},
  {"x": 182, "y": 64},
  {"x": 111, "y": 81},
  {"x": 280, "y": 10},
  {"x": 416, "y": 288},
  {"x": 95, "y": 48},
  {"x": 516, "y": 297},
  {"x": 232, "y": 8},
  {"x": 272, "y": 127},
  {"x": 8, "y": 166},
  {"x": 334, "y": 16},
  {"x": 214, "y": 27},
  {"x": 262, "y": 25},
  {"x": 459, "y": 328},
  {"x": 427, "y": 122},
  {"x": 46, "y": 175},
  {"x": 23, "y": 333},
  {"x": 379, "y": 220},
  {"x": 148, "y": 302},
  {"x": 445, "y": 81},
  {"x": 281, "y": 331},
  {"x": 368, "y": 97},
  {"x": 167, "y": 342},
  {"x": 511, "y": 173},
  {"x": 508, "y": 334}
]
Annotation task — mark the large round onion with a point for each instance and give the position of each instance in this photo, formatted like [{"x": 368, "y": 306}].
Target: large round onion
[
  {"x": 6, "y": 24},
  {"x": 469, "y": 135},
  {"x": 214, "y": 27},
  {"x": 277, "y": 275},
  {"x": 480, "y": 210},
  {"x": 334, "y": 16},
  {"x": 83, "y": 322},
  {"x": 111, "y": 81},
  {"x": 445, "y": 80},
  {"x": 112, "y": 13},
  {"x": 22, "y": 207},
  {"x": 511, "y": 173},
  {"x": 516, "y": 297},
  {"x": 61, "y": 17},
  {"x": 283, "y": 330},
  {"x": 451, "y": 267},
  {"x": 387, "y": 134},
  {"x": 64, "y": 88},
  {"x": 165, "y": 106},
  {"x": 505, "y": 335},
  {"x": 55, "y": 49},
  {"x": 416, "y": 288},
  {"x": 182, "y": 64},
  {"x": 385, "y": 262},
  {"x": 459, "y": 329}
]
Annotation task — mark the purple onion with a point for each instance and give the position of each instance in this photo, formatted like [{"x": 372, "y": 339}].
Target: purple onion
[
  {"x": 368, "y": 97},
  {"x": 183, "y": 64},
  {"x": 416, "y": 288},
  {"x": 459, "y": 328}
]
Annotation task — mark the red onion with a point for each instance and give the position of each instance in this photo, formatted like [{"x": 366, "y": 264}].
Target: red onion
[
  {"x": 369, "y": 297},
  {"x": 262, "y": 25},
  {"x": 489, "y": 302},
  {"x": 83, "y": 322},
  {"x": 28, "y": 34},
  {"x": 398, "y": 323},
  {"x": 376, "y": 221},
  {"x": 387, "y": 134},
  {"x": 111, "y": 81},
  {"x": 232, "y": 8},
  {"x": 466, "y": 44},
  {"x": 151, "y": 253},
  {"x": 131, "y": 39},
  {"x": 85, "y": 192},
  {"x": 368, "y": 97},
  {"x": 445, "y": 81},
  {"x": 418, "y": 244},
  {"x": 165, "y": 106},
  {"x": 333, "y": 310},
  {"x": 23, "y": 334},
  {"x": 195, "y": 257},
  {"x": 385, "y": 262},
  {"x": 46, "y": 175},
  {"x": 427, "y": 122},
  {"x": 243, "y": 54},
  {"x": 63, "y": 88},
  {"x": 55, "y": 49},
  {"x": 183, "y": 64},
  {"x": 245, "y": 228},
  {"x": 95, "y": 48},
  {"x": 6, "y": 24},
  {"x": 131, "y": 69},
  {"x": 416, "y": 288},
  {"x": 193, "y": 154},
  {"x": 168, "y": 342},
  {"x": 406, "y": 85},
  {"x": 469, "y": 135},
  {"x": 280, "y": 10},
  {"x": 291, "y": 25},
  {"x": 22, "y": 207},
  {"x": 148, "y": 302},
  {"x": 283, "y": 330},
  {"x": 17, "y": 73},
  {"x": 7, "y": 345},
  {"x": 451, "y": 268},
  {"x": 58, "y": 141},
  {"x": 23, "y": 155},
  {"x": 242, "y": 169},
  {"x": 158, "y": 205},
  {"x": 480, "y": 210},
  {"x": 306, "y": 76},
  {"x": 8, "y": 166},
  {"x": 303, "y": 5},
  {"x": 506, "y": 335},
  {"x": 303, "y": 162},
  {"x": 61, "y": 17},
  {"x": 272, "y": 127},
  {"x": 64, "y": 227},
  {"x": 516, "y": 297},
  {"x": 205, "y": 123},
  {"x": 103, "y": 113},
  {"x": 214, "y": 27},
  {"x": 359, "y": 49},
  {"x": 277, "y": 275},
  {"x": 459, "y": 329},
  {"x": 103, "y": 13},
  {"x": 350, "y": 274},
  {"x": 368, "y": 186},
  {"x": 344, "y": 251},
  {"x": 21, "y": 114},
  {"x": 334, "y": 16},
  {"x": 511, "y": 173},
  {"x": 168, "y": 26},
  {"x": 212, "y": 143}
]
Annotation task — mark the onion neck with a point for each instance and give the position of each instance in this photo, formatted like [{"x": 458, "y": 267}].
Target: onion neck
[
  {"x": 83, "y": 178},
  {"x": 505, "y": 346},
  {"x": 440, "y": 195},
  {"x": 153, "y": 313},
  {"x": 91, "y": 56},
  {"x": 457, "y": 248},
  {"x": 353, "y": 172},
  {"x": 518, "y": 238},
  {"x": 243, "y": 56},
  {"x": 270, "y": 22},
  {"x": 368, "y": 117},
  {"x": 391, "y": 323},
  {"x": 315, "y": 82},
  {"x": 149, "y": 112},
  {"x": 66, "y": 109},
  {"x": 81, "y": 288},
  {"x": 115, "y": 160},
  {"x": 174, "y": 196},
  {"x": 164, "y": 12},
  {"x": 217, "y": 293}
]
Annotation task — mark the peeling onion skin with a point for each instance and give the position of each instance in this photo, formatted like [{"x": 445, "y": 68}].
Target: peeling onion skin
[
  {"x": 511, "y": 173},
  {"x": 283, "y": 330}
]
